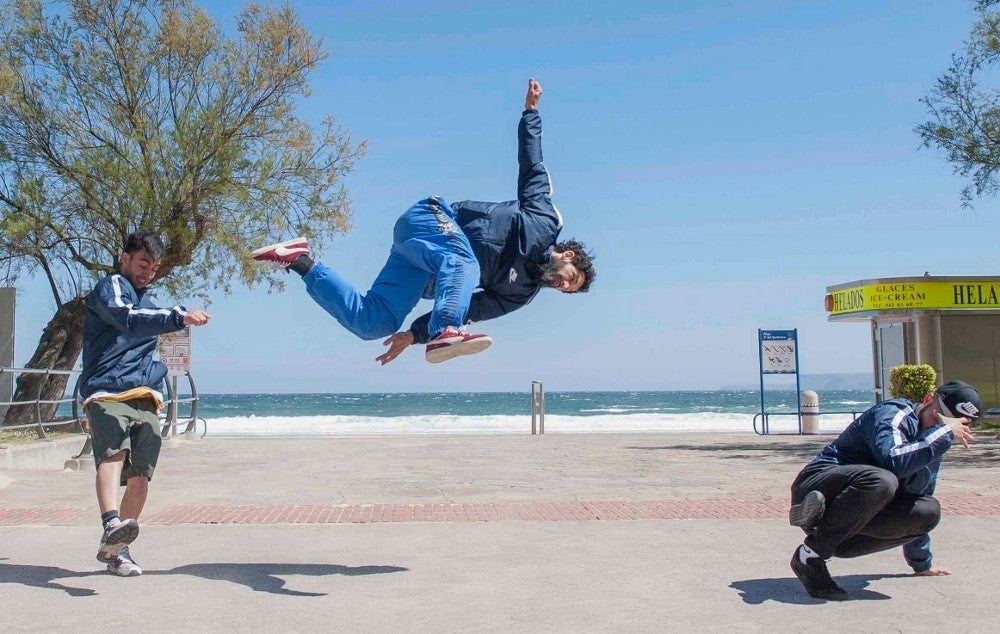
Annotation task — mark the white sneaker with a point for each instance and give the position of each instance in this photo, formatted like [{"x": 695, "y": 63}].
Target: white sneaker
[
  {"x": 124, "y": 565},
  {"x": 117, "y": 536}
]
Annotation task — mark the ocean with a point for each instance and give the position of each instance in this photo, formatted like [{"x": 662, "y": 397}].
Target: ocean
[{"x": 510, "y": 412}]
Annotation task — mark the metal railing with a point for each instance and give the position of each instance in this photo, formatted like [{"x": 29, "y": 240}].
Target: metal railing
[
  {"x": 38, "y": 401},
  {"x": 170, "y": 421},
  {"x": 765, "y": 427}
]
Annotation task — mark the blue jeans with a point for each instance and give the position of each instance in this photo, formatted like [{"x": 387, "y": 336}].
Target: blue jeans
[{"x": 428, "y": 248}]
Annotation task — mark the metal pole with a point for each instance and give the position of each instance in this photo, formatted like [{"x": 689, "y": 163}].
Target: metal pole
[
  {"x": 173, "y": 410},
  {"x": 760, "y": 358},
  {"x": 537, "y": 408},
  {"x": 534, "y": 421},
  {"x": 78, "y": 426},
  {"x": 798, "y": 385},
  {"x": 38, "y": 404},
  {"x": 541, "y": 411},
  {"x": 192, "y": 424}
]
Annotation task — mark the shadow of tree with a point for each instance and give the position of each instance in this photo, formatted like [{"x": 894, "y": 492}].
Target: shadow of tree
[
  {"x": 789, "y": 590},
  {"x": 984, "y": 452},
  {"x": 259, "y": 577},
  {"x": 750, "y": 451}
]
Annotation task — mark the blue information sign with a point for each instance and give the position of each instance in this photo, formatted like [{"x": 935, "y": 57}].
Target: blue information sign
[{"x": 779, "y": 354}]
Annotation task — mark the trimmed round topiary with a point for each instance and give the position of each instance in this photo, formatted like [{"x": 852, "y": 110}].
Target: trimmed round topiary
[{"x": 912, "y": 382}]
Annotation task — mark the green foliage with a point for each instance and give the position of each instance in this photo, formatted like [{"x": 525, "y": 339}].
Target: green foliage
[
  {"x": 912, "y": 382},
  {"x": 964, "y": 113},
  {"x": 124, "y": 114}
]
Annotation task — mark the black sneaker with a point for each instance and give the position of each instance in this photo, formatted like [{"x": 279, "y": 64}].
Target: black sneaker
[
  {"x": 808, "y": 512},
  {"x": 816, "y": 578}
]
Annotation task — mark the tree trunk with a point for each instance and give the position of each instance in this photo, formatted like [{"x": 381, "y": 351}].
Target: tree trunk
[{"x": 58, "y": 349}]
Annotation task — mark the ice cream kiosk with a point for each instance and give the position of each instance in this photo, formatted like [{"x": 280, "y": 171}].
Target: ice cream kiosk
[{"x": 949, "y": 323}]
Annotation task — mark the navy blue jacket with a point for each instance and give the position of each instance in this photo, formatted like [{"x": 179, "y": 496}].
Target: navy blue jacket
[
  {"x": 511, "y": 239},
  {"x": 888, "y": 435},
  {"x": 119, "y": 338}
]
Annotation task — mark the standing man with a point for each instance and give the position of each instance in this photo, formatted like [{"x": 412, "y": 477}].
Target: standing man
[
  {"x": 507, "y": 250},
  {"x": 871, "y": 489},
  {"x": 120, "y": 387}
]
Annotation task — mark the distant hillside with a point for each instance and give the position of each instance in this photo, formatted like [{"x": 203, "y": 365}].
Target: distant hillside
[{"x": 816, "y": 382}]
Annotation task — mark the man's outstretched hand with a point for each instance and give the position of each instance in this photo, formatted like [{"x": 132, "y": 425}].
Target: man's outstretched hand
[
  {"x": 397, "y": 343},
  {"x": 534, "y": 94},
  {"x": 196, "y": 318}
]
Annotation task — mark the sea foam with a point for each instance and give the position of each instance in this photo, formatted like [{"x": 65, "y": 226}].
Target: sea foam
[{"x": 554, "y": 424}]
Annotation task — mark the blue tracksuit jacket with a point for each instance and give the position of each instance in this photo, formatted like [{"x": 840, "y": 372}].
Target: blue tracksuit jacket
[
  {"x": 510, "y": 239},
  {"x": 888, "y": 436},
  {"x": 119, "y": 338}
]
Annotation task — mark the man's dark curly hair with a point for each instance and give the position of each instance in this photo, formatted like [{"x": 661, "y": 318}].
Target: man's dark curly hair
[
  {"x": 583, "y": 260},
  {"x": 148, "y": 241}
]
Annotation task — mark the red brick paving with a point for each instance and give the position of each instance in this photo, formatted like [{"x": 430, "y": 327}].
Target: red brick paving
[{"x": 528, "y": 511}]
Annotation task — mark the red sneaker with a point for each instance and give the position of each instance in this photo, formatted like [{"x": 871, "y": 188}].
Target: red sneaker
[
  {"x": 282, "y": 253},
  {"x": 454, "y": 342}
]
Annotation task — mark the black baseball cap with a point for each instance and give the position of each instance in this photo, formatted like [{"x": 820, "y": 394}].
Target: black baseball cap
[{"x": 958, "y": 399}]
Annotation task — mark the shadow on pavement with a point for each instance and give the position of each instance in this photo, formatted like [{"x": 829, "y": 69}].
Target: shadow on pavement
[
  {"x": 42, "y": 577},
  {"x": 265, "y": 577},
  {"x": 257, "y": 577},
  {"x": 789, "y": 590}
]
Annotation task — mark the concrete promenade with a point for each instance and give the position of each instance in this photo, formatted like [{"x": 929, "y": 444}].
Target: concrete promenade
[{"x": 561, "y": 533}]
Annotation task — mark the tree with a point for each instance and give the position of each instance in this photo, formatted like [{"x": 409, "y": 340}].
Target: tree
[
  {"x": 117, "y": 115},
  {"x": 964, "y": 115}
]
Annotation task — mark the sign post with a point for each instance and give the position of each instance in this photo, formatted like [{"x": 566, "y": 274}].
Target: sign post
[
  {"x": 175, "y": 353},
  {"x": 779, "y": 354}
]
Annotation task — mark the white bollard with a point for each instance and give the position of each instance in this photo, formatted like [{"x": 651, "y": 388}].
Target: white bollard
[{"x": 810, "y": 412}]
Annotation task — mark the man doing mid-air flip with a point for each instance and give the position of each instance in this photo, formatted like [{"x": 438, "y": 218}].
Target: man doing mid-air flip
[{"x": 506, "y": 250}]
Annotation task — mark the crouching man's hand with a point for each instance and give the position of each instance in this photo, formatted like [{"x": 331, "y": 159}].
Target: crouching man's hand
[{"x": 933, "y": 571}]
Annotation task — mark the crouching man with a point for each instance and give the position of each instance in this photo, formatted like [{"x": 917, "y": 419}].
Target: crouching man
[{"x": 871, "y": 489}]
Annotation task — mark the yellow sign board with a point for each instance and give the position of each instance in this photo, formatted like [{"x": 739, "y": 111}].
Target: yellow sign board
[{"x": 904, "y": 295}]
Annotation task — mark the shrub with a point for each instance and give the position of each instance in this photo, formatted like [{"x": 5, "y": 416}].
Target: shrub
[{"x": 912, "y": 382}]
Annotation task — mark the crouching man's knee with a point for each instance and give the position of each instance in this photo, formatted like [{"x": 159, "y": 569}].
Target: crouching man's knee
[
  {"x": 927, "y": 512},
  {"x": 878, "y": 483}
]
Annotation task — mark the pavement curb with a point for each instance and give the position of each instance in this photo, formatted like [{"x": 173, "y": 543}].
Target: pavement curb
[{"x": 45, "y": 455}]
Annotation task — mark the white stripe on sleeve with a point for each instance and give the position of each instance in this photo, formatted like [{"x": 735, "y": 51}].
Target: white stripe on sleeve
[
  {"x": 116, "y": 285},
  {"x": 900, "y": 449}
]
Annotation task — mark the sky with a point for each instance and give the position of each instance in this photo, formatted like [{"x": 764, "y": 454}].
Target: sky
[{"x": 727, "y": 161}]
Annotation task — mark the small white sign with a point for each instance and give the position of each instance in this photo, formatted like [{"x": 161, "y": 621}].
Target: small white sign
[
  {"x": 175, "y": 352},
  {"x": 779, "y": 357},
  {"x": 777, "y": 351}
]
